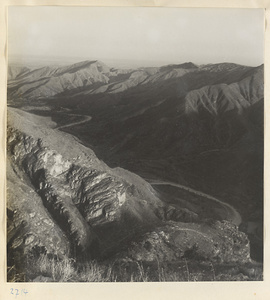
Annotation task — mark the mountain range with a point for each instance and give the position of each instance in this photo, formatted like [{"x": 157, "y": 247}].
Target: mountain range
[
  {"x": 187, "y": 131},
  {"x": 93, "y": 77}
]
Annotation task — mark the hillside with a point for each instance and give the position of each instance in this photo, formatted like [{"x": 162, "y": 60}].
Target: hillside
[{"x": 182, "y": 147}]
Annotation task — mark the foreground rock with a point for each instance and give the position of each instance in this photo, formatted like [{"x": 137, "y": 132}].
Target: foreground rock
[{"x": 221, "y": 242}]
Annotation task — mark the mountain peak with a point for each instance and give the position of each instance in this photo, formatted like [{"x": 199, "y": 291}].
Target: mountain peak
[
  {"x": 86, "y": 64},
  {"x": 220, "y": 67},
  {"x": 186, "y": 65}
]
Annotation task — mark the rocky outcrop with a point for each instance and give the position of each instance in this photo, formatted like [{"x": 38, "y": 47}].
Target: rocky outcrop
[
  {"x": 78, "y": 193},
  {"x": 221, "y": 242},
  {"x": 45, "y": 169}
]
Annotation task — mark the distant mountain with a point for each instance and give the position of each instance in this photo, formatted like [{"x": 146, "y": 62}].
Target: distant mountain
[
  {"x": 201, "y": 126},
  {"x": 17, "y": 71},
  {"x": 157, "y": 121},
  {"x": 50, "y": 81},
  {"x": 193, "y": 135},
  {"x": 222, "y": 97},
  {"x": 182, "y": 109},
  {"x": 94, "y": 77}
]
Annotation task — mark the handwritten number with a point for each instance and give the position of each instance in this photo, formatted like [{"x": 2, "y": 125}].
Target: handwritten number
[
  {"x": 16, "y": 292},
  {"x": 25, "y": 291}
]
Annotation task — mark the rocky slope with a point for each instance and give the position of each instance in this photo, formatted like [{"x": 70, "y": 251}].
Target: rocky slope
[
  {"x": 63, "y": 201},
  {"x": 77, "y": 190},
  {"x": 198, "y": 128}
]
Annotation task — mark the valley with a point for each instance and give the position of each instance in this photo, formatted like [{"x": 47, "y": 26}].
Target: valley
[{"x": 134, "y": 167}]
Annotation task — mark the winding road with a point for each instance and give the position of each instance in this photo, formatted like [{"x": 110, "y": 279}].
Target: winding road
[
  {"x": 232, "y": 214},
  {"x": 84, "y": 120}
]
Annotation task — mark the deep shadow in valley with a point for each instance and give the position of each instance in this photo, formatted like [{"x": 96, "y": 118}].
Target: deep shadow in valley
[{"x": 157, "y": 132}]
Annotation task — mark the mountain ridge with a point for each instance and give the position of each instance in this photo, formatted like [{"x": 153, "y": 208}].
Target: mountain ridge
[
  {"x": 87, "y": 73},
  {"x": 128, "y": 166}
]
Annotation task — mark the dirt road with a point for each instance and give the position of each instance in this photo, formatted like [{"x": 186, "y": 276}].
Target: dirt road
[
  {"x": 232, "y": 214},
  {"x": 84, "y": 120}
]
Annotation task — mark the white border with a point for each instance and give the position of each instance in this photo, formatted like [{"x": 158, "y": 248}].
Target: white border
[{"x": 175, "y": 290}]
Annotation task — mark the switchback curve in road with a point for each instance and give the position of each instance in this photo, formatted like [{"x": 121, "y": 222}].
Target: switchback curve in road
[{"x": 234, "y": 215}]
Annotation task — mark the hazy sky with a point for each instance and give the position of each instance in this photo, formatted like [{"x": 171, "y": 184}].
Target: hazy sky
[{"x": 142, "y": 36}]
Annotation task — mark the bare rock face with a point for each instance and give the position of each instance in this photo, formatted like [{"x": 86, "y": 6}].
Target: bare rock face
[
  {"x": 33, "y": 159},
  {"x": 31, "y": 231},
  {"x": 96, "y": 194},
  {"x": 76, "y": 194}
]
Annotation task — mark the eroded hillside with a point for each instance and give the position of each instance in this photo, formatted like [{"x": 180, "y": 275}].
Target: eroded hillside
[
  {"x": 192, "y": 134},
  {"x": 64, "y": 202}
]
